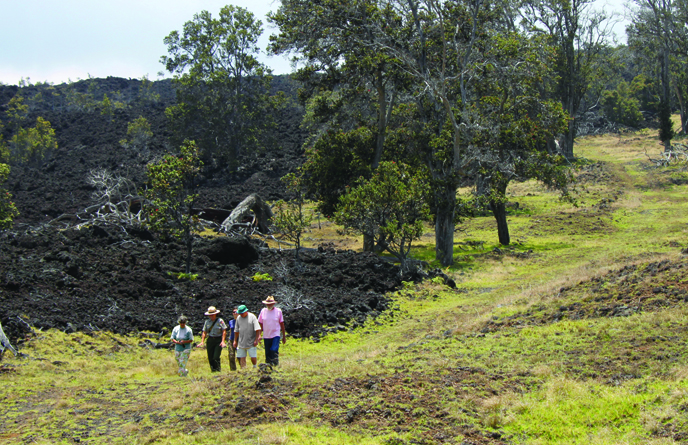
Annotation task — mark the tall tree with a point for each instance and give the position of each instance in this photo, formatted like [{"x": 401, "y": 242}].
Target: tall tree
[
  {"x": 580, "y": 35},
  {"x": 657, "y": 34},
  {"x": 512, "y": 146},
  {"x": 223, "y": 92},
  {"x": 445, "y": 47},
  {"x": 349, "y": 86}
]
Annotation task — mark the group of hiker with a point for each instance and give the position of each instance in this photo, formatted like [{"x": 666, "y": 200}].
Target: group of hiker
[{"x": 244, "y": 332}]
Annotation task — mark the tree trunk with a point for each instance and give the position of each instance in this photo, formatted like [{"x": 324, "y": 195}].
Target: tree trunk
[
  {"x": 499, "y": 212},
  {"x": 189, "y": 241},
  {"x": 666, "y": 99},
  {"x": 444, "y": 237},
  {"x": 682, "y": 105},
  {"x": 368, "y": 243},
  {"x": 445, "y": 201}
]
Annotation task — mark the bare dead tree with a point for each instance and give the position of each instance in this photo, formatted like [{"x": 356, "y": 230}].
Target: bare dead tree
[{"x": 677, "y": 154}]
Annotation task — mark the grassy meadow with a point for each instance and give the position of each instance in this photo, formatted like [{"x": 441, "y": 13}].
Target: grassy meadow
[{"x": 575, "y": 334}]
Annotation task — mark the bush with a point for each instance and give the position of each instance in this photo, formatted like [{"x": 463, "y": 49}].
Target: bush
[
  {"x": 389, "y": 208},
  {"x": 32, "y": 145},
  {"x": 619, "y": 106},
  {"x": 139, "y": 134},
  {"x": 7, "y": 209}
]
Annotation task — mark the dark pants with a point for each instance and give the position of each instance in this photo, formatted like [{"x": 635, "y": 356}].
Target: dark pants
[
  {"x": 231, "y": 352},
  {"x": 272, "y": 350},
  {"x": 212, "y": 345}
]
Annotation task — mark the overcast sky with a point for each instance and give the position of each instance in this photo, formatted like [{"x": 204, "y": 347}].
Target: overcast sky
[{"x": 51, "y": 40}]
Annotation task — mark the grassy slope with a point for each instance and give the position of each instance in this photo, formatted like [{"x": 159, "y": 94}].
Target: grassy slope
[{"x": 552, "y": 342}]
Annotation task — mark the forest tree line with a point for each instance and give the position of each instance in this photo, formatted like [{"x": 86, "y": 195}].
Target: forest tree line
[{"x": 442, "y": 94}]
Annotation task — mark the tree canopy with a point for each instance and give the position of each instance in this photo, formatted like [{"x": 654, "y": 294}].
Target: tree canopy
[{"x": 223, "y": 91}]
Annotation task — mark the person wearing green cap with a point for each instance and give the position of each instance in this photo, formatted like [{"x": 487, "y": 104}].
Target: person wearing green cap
[{"x": 247, "y": 335}]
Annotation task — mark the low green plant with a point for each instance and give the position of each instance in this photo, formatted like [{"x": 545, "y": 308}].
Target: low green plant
[
  {"x": 389, "y": 208},
  {"x": 184, "y": 276},
  {"x": 262, "y": 277}
]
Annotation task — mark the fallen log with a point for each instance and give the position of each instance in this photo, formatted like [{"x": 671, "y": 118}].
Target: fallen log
[{"x": 252, "y": 209}]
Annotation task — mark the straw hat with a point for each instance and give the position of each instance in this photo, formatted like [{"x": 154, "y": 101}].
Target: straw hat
[
  {"x": 212, "y": 311},
  {"x": 269, "y": 300}
]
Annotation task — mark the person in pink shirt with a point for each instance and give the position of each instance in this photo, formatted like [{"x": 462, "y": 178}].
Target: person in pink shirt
[{"x": 272, "y": 323}]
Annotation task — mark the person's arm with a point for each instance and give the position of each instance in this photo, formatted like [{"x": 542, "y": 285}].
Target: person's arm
[
  {"x": 258, "y": 337},
  {"x": 224, "y": 337},
  {"x": 236, "y": 335},
  {"x": 259, "y": 330},
  {"x": 284, "y": 332},
  {"x": 202, "y": 339},
  {"x": 173, "y": 338}
]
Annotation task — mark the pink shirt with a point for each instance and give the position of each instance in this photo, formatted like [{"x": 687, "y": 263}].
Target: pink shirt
[{"x": 271, "y": 322}]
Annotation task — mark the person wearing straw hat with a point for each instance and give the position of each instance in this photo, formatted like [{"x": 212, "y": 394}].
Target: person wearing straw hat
[
  {"x": 246, "y": 336},
  {"x": 215, "y": 330},
  {"x": 272, "y": 323},
  {"x": 182, "y": 337}
]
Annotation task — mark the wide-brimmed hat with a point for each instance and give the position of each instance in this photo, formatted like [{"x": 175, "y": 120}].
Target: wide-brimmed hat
[
  {"x": 269, "y": 300},
  {"x": 241, "y": 309},
  {"x": 212, "y": 311}
]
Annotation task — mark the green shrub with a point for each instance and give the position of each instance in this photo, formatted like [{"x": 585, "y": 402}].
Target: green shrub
[
  {"x": 619, "y": 106},
  {"x": 184, "y": 276},
  {"x": 32, "y": 145},
  {"x": 262, "y": 277},
  {"x": 139, "y": 134}
]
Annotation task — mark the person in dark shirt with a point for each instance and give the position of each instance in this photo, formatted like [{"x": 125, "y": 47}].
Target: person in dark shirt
[{"x": 231, "y": 350}]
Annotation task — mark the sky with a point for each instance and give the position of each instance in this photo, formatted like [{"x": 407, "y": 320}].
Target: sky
[
  {"x": 51, "y": 40},
  {"x": 57, "y": 41}
]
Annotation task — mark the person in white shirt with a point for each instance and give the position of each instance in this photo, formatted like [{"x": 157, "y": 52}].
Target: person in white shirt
[{"x": 182, "y": 337}]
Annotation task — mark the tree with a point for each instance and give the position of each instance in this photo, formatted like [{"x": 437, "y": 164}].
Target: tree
[
  {"x": 106, "y": 107},
  {"x": 139, "y": 134},
  {"x": 32, "y": 145},
  {"x": 289, "y": 218},
  {"x": 390, "y": 207},
  {"x": 512, "y": 144},
  {"x": 332, "y": 40},
  {"x": 620, "y": 106},
  {"x": 147, "y": 94},
  {"x": 171, "y": 192},
  {"x": 223, "y": 92},
  {"x": 17, "y": 112},
  {"x": 440, "y": 49},
  {"x": 657, "y": 33},
  {"x": 350, "y": 88},
  {"x": 447, "y": 48},
  {"x": 8, "y": 211},
  {"x": 580, "y": 36},
  {"x": 333, "y": 162}
]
